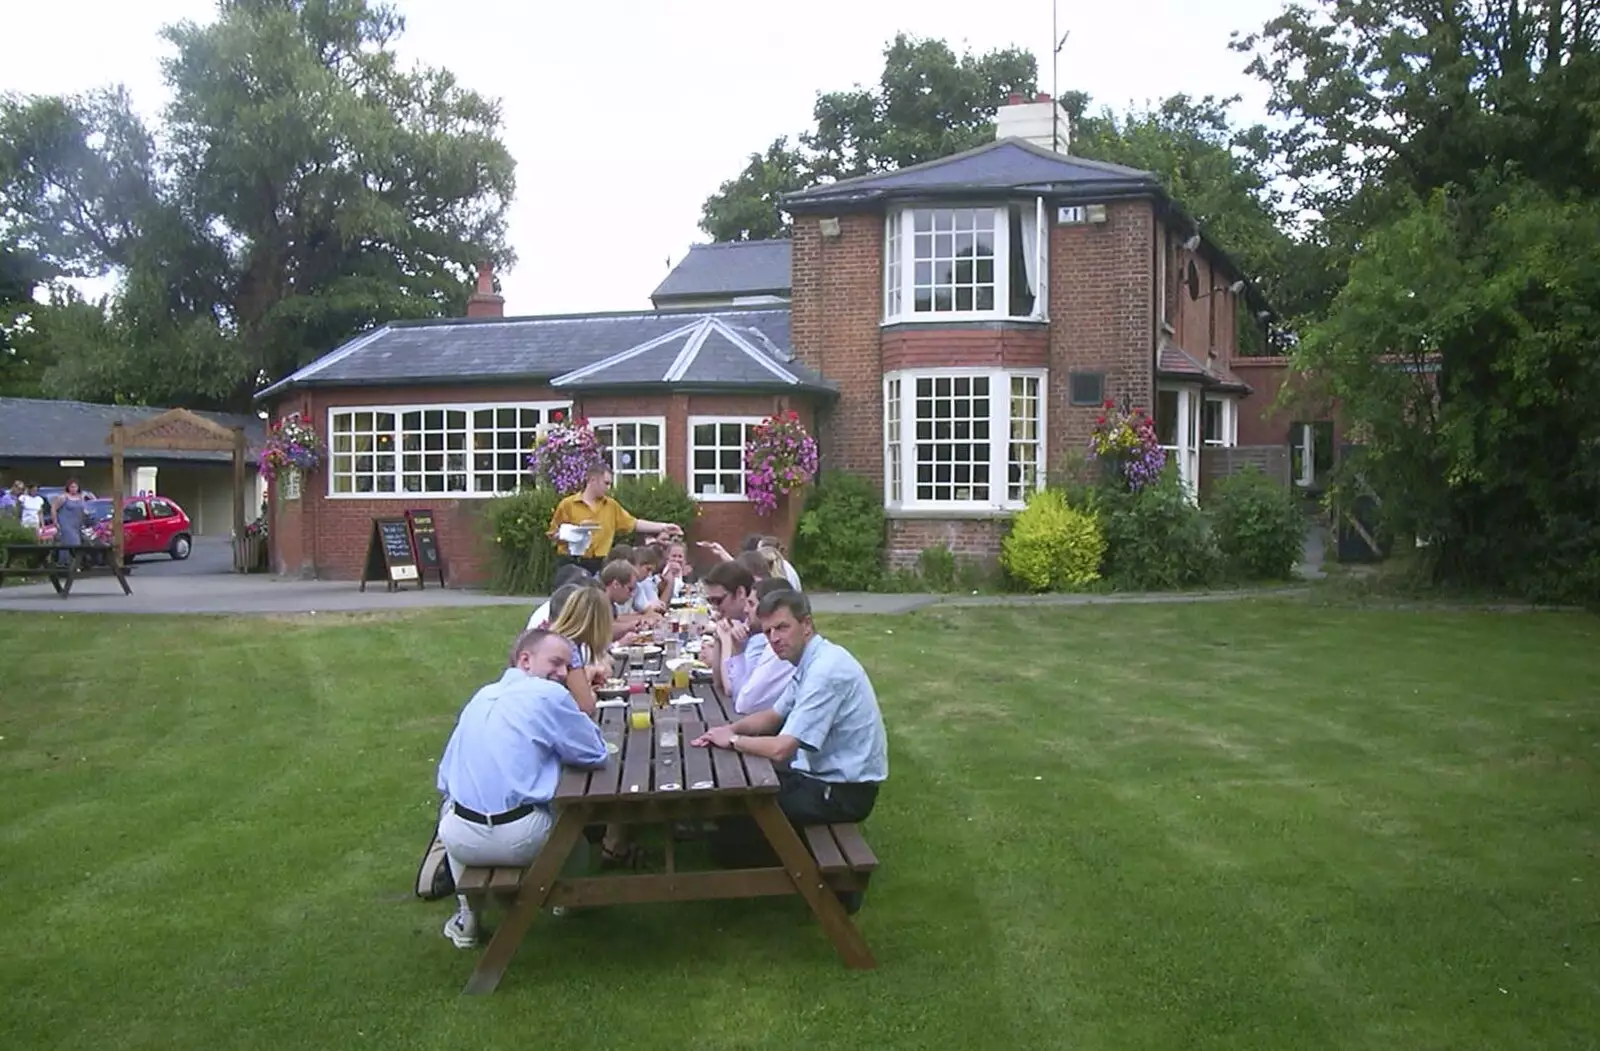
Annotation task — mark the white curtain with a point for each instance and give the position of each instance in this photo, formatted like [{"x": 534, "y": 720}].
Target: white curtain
[{"x": 1030, "y": 252}]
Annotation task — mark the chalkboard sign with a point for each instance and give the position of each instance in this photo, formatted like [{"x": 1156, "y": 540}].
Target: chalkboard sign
[
  {"x": 390, "y": 557},
  {"x": 425, "y": 541}
]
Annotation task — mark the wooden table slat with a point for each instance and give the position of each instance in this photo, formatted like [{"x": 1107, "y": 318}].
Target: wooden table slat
[
  {"x": 697, "y": 775},
  {"x": 728, "y": 769},
  {"x": 760, "y": 772},
  {"x": 635, "y": 763},
  {"x": 603, "y": 782},
  {"x": 668, "y": 764}
]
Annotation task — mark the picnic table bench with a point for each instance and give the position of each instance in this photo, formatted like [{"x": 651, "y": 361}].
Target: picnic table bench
[
  {"x": 44, "y": 560},
  {"x": 644, "y": 784}
]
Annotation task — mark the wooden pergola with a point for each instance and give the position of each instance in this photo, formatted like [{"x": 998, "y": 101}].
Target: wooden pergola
[{"x": 183, "y": 431}]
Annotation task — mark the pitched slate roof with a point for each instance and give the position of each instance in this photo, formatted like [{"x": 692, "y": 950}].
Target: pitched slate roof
[
  {"x": 489, "y": 350},
  {"x": 727, "y": 269},
  {"x": 1005, "y": 164},
  {"x": 41, "y": 429}
]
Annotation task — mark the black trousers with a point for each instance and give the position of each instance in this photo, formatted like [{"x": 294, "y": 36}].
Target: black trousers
[
  {"x": 804, "y": 800},
  {"x": 593, "y": 565}
]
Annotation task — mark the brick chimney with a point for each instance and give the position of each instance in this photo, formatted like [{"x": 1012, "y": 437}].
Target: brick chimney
[
  {"x": 1038, "y": 120},
  {"x": 486, "y": 302}
]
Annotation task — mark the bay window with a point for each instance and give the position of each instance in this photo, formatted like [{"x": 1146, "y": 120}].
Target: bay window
[
  {"x": 1178, "y": 431},
  {"x": 963, "y": 439},
  {"x": 954, "y": 264},
  {"x": 637, "y": 446},
  {"x": 454, "y": 450}
]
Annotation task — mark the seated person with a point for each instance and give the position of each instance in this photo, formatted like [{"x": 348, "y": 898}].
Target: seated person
[
  {"x": 618, "y": 578},
  {"x": 827, "y": 726},
  {"x": 647, "y": 583},
  {"x": 675, "y": 571},
  {"x": 503, "y": 762},
  {"x": 585, "y": 622},
  {"x": 751, "y": 673},
  {"x": 777, "y": 561},
  {"x": 571, "y": 573}
]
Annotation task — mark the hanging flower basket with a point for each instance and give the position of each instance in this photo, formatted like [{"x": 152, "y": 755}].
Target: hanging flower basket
[
  {"x": 780, "y": 459},
  {"x": 1125, "y": 445},
  {"x": 563, "y": 454},
  {"x": 291, "y": 443}
]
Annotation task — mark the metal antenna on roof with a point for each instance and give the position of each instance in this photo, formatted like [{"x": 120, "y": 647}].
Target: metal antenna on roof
[{"x": 1060, "y": 39}]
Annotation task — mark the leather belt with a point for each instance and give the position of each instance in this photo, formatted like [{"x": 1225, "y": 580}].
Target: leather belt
[{"x": 514, "y": 814}]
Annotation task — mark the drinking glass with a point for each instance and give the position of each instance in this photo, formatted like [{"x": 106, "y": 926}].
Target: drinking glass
[
  {"x": 667, "y": 731},
  {"x": 639, "y": 712}
]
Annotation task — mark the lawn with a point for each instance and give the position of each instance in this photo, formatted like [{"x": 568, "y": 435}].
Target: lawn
[{"x": 1253, "y": 825}]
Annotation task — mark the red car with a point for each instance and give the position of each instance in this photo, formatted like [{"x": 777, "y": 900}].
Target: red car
[{"x": 151, "y": 525}]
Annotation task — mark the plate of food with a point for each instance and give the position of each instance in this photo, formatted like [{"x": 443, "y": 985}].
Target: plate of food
[{"x": 612, "y": 688}]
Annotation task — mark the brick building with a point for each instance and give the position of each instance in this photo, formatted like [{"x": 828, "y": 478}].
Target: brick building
[{"x": 952, "y": 329}]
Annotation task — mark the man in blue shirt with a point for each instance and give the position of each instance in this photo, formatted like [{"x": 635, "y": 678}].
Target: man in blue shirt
[
  {"x": 503, "y": 762},
  {"x": 826, "y": 726}
]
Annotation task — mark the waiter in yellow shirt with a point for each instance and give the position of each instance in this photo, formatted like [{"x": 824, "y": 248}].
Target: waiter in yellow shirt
[{"x": 592, "y": 505}]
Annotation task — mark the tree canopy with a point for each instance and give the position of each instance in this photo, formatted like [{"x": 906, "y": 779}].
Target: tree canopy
[
  {"x": 1447, "y": 152},
  {"x": 303, "y": 186}
]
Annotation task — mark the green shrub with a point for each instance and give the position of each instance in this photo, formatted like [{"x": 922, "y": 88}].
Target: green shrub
[
  {"x": 1053, "y": 546},
  {"x": 936, "y": 566},
  {"x": 1156, "y": 540},
  {"x": 12, "y": 531},
  {"x": 1259, "y": 526},
  {"x": 840, "y": 538},
  {"x": 524, "y": 556},
  {"x": 656, "y": 500}
]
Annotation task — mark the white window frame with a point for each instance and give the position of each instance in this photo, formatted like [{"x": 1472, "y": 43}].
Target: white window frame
[
  {"x": 399, "y": 410},
  {"x": 658, "y": 422},
  {"x": 899, "y": 269},
  {"x": 703, "y": 421},
  {"x": 999, "y": 438},
  {"x": 1187, "y": 427},
  {"x": 1230, "y": 422}
]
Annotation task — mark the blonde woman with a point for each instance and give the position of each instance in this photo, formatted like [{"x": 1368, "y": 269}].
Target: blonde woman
[
  {"x": 585, "y": 622},
  {"x": 770, "y": 549}
]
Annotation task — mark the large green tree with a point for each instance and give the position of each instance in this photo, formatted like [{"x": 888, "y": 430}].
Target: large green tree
[
  {"x": 306, "y": 186},
  {"x": 1447, "y": 151},
  {"x": 929, "y": 102}
]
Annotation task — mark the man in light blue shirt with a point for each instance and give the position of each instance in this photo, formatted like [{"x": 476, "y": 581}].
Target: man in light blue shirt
[
  {"x": 826, "y": 726},
  {"x": 503, "y": 762}
]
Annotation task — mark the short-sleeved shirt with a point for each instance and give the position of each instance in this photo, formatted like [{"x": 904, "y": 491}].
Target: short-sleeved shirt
[
  {"x": 832, "y": 710},
  {"x": 611, "y": 517},
  {"x": 510, "y": 742}
]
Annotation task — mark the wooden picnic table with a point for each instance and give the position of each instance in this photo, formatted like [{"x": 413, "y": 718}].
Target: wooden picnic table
[
  {"x": 40, "y": 559},
  {"x": 644, "y": 784}
]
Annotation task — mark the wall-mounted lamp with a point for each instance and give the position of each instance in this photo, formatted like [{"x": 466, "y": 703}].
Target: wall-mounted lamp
[{"x": 1192, "y": 243}]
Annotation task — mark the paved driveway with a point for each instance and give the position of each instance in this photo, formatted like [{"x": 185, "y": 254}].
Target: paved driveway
[{"x": 210, "y": 554}]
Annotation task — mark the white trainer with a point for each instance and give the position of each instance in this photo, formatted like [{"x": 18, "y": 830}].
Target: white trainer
[{"x": 462, "y": 929}]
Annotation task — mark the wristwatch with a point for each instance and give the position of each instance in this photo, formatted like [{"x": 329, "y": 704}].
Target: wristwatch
[{"x": 733, "y": 742}]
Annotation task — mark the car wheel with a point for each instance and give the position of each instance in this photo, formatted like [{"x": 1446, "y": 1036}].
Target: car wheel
[{"x": 180, "y": 548}]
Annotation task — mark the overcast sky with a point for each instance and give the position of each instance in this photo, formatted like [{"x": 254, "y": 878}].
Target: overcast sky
[{"x": 624, "y": 115}]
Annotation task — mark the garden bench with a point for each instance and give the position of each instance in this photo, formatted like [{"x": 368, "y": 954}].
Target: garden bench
[{"x": 40, "y": 560}]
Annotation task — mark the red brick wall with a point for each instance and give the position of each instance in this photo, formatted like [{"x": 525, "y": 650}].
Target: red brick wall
[
  {"x": 326, "y": 537},
  {"x": 972, "y": 538},
  {"x": 1017, "y": 345},
  {"x": 1101, "y": 318},
  {"x": 1207, "y": 322},
  {"x": 836, "y": 310},
  {"x": 1261, "y": 420}
]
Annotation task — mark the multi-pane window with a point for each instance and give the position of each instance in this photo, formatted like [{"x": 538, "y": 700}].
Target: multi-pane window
[
  {"x": 985, "y": 262},
  {"x": 462, "y": 450},
  {"x": 362, "y": 451},
  {"x": 637, "y": 447},
  {"x": 963, "y": 439},
  {"x": 1026, "y": 453},
  {"x": 891, "y": 433},
  {"x": 716, "y": 456}
]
